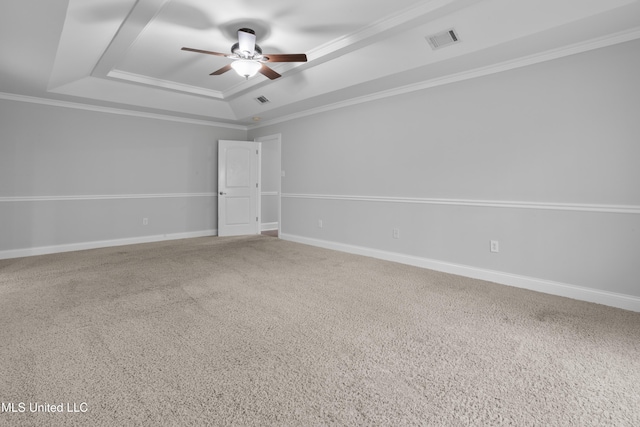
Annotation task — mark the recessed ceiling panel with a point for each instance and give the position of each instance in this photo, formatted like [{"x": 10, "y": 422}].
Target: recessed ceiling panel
[{"x": 281, "y": 26}]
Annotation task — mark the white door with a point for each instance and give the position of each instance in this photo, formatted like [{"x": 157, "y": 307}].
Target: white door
[{"x": 238, "y": 188}]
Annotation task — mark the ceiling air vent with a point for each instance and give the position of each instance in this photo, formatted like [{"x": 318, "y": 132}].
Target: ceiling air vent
[
  {"x": 443, "y": 39},
  {"x": 262, "y": 99}
]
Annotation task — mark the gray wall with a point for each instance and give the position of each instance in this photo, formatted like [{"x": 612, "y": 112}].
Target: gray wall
[
  {"x": 73, "y": 177},
  {"x": 543, "y": 159}
]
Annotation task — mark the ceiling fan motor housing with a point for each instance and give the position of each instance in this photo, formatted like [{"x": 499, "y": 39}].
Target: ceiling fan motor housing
[{"x": 235, "y": 49}]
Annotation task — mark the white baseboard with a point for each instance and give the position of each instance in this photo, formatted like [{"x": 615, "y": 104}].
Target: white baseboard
[
  {"x": 44, "y": 250},
  {"x": 627, "y": 302},
  {"x": 268, "y": 226}
]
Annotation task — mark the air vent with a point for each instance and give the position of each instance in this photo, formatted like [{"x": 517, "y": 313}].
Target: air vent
[
  {"x": 262, "y": 99},
  {"x": 443, "y": 39}
]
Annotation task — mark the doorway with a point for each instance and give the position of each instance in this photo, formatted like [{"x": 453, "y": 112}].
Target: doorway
[{"x": 271, "y": 177}]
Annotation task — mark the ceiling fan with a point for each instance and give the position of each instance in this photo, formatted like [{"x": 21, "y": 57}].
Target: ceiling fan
[{"x": 248, "y": 59}]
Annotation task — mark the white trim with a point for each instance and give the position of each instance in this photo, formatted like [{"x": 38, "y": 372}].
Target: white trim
[
  {"x": 268, "y": 226},
  {"x": 103, "y": 197},
  {"x": 277, "y": 139},
  {"x": 111, "y": 110},
  {"x": 44, "y": 250},
  {"x": 269, "y": 193},
  {"x": 627, "y": 302},
  {"x": 378, "y": 28},
  {"x": 259, "y": 190},
  {"x": 609, "y": 40},
  {"x": 583, "y": 207},
  {"x": 165, "y": 84}
]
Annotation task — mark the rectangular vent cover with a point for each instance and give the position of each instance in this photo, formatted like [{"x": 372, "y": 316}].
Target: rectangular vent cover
[
  {"x": 262, "y": 99},
  {"x": 443, "y": 39}
]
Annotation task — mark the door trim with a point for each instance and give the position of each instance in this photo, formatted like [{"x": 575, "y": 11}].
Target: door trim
[{"x": 277, "y": 138}]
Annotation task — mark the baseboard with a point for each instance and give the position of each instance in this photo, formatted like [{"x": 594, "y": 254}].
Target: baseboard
[
  {"x": 44, "y": 250},
  {"x": 627, "y": 302},
  {"x": 268, "y": 226}
]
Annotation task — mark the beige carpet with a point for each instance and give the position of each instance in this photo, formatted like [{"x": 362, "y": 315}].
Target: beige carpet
[{"x": 259, "y": 331}]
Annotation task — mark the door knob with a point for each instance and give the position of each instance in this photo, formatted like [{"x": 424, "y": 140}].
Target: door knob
[{"x": 222, "y": 193}]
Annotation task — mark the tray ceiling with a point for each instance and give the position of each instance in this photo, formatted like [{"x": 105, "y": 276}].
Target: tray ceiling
[{"x": 126, "y": 53}]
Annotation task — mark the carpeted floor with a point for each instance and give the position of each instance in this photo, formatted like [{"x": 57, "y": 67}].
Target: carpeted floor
[{"x": 259, "y": 331}]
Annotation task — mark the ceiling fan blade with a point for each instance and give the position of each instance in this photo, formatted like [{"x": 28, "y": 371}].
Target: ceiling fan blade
[
  {"x": 266, "y": 71},
  {"x": 247, "y": 41},
  {"x": 283, "y": 57},
  {"x": 208, "y": 52},
  {"x": 221, "y": 70}
]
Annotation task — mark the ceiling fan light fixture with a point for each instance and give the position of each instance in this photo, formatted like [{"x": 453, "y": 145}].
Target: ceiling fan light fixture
[
  {"x": 246, "y": 68},
  {"x": 248, "y": 59}
]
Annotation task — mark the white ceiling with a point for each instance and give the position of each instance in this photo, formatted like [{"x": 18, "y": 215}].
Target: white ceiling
[{"x": 126, "y": 54}]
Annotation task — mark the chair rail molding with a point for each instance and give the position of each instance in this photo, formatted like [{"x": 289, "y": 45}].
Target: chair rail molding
[
  {"x": 584, "y": 207},
  {"x": 103, "y": 197}
]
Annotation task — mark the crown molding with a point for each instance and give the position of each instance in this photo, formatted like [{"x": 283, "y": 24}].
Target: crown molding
[
  {"x": 120, "y": 111},
  {"x": 164, "y": 84},
  {"x": 377, "y": 29},
  {"x": 225, "y": 95},
  {"x": 592, "y": 44}
]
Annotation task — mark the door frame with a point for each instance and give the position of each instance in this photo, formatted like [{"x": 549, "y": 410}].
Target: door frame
[{"x": 277, "y": 139}]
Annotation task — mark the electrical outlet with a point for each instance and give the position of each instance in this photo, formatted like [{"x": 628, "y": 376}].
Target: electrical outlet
[
  {"x": 319, "y": 223},
  {"x": 145, "y": 221},
  {"x": 495, "y": 246},
  {"x": 396, "y": 233}
]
